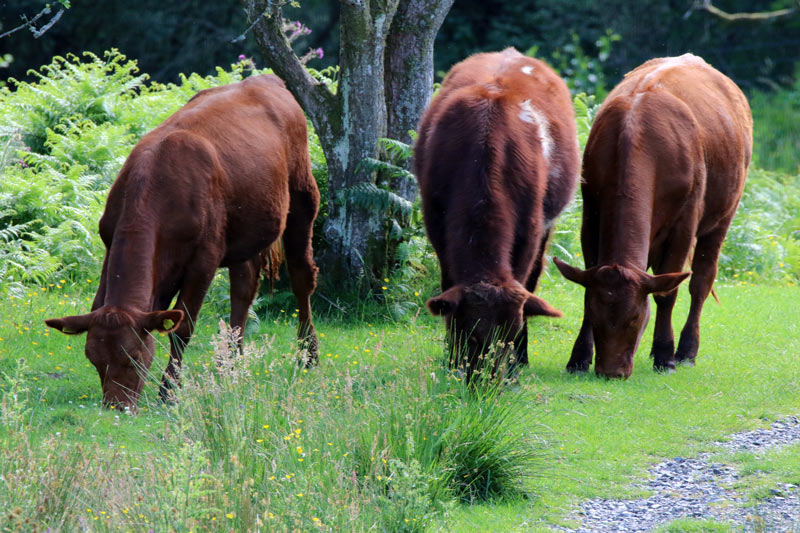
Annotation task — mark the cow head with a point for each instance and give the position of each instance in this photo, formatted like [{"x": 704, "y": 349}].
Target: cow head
[
  {"x": 617, "y": 307},
  {"x": 480, "y": 315},
  {"x": 119, "y": 345}
]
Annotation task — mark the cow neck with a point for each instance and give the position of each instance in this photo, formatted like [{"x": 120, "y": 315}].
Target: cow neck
[
  {"x": 485, "y": 259},
  {"x": 129, "y": 274},
  {"x": 625, "y": 228}
]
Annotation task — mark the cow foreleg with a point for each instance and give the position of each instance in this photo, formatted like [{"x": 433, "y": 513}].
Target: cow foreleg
[
  {"x": 663, "y": 350},
  {"x": 190, "y": 299},
  {"x": 583, "y": 349},
  {"x": 704, "y": 270},
  {"x": 581, "y": 357},
  {"x": 676, "y": 250},
  {"x": 302, "y": 270},
  {"x": 244, "y": 280}
]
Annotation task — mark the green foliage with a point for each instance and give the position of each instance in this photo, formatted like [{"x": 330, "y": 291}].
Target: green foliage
[
  {"x": 776, "y": 127},
  {"x": 69, "y": 90},
  {"x": 70, "y": 461},
  {"x": 583, "y": 72},
  {"x": 413, "y": 265},
  {"x": 64, "y": 139},
  {"x": 378, "y": 199},
  {"x": 385, "y": 444},
  {"x": 585, "y": 107},
  {"x": 763, "y": 243}
]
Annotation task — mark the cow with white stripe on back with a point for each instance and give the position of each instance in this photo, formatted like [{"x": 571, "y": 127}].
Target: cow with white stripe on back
[{"x": 497, "y": 161}]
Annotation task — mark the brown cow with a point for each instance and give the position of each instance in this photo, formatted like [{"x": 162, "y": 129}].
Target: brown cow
[
  {"x": 213, "y": 186},
  {"x": 496, "y": 161},
  {"x": 664, "y": 169}
]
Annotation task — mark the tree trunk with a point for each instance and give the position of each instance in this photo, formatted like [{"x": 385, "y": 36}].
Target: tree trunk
[
  {"x": 409, "y": 71},
  {"x": 350, "y": 122},
  {"x": 354, "y": 233}
]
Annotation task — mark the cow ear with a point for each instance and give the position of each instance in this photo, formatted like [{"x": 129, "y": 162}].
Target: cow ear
[
  {"x": 163, "y": 321},
  {"x": 535, "y": 306},
  {"x": 447, "y": 302},
  {"x": 663, "y": 282},
  {"x": 71, "y": 325},
  {"x": 581, "y": 277}
]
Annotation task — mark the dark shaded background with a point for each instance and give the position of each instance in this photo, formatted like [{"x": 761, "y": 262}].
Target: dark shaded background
[{"x": 194, "y": 36}]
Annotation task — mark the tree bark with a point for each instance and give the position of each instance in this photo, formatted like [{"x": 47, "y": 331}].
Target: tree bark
[
  {"x": 409, "y": 71},
  {"x": 349, "y": 123},
  {"x": 355, "y": 234}
]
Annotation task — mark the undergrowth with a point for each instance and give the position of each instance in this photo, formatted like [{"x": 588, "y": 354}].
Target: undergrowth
[
  {"x": 66, "y": 135},
  {"x": 254, "y": 441}
]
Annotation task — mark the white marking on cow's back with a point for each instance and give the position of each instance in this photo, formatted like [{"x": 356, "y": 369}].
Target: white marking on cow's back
[
  {"x": 527, "y": 69},
  {"x": 630, "y": 117},
  {"x": 672, "y": 62},
  {"x": 532, "y": 115}
]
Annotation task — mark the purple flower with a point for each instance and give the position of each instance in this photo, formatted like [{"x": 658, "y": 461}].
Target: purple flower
[
  {"x": 319, "y": 53},
  {"x": 242, "y": 57}
]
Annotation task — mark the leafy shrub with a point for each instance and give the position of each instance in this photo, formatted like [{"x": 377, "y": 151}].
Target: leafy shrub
[
  {"x": 64, "y": 140},
  {"x": 583, "y": 72},
  {"x": 763, "y": 242},
  {"x": 776, "y": 127}
]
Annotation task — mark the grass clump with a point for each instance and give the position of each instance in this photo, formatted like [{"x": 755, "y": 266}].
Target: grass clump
[{"x": 366, "y": 441}]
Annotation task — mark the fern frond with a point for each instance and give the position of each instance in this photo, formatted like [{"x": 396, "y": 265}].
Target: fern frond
[
  {"x": 393, "y": 171},
  {"x": 370, "y": 196},
  {"x": 397, "y": 150}
]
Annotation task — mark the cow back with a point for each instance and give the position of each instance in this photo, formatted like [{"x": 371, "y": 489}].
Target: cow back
[
  {"x": 496, "y": 156},
  {"x": 675, "y": 127}
]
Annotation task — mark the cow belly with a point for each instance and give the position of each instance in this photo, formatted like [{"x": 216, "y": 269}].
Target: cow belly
[{"x": 246, "y": 236}]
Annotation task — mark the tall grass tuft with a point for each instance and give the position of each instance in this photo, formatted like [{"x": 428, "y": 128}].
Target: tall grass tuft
[{"x": 255, "y": 441}]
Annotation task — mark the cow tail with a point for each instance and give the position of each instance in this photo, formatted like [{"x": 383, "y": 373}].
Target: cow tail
[{"x": 272, "y": 265}]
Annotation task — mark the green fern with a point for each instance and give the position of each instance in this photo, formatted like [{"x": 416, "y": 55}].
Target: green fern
[
  {"x": 378, "y": 200},
  {"x": 65, "y": 137},
  {"x": 387, "y": 169}
]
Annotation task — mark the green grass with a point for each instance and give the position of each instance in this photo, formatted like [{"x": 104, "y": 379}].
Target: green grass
[
  {"x": 378, "y": 395},
  {"x": 689, "y": 525}
]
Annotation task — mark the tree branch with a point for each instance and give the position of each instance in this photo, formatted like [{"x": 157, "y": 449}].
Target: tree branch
[
  {"x": 706, "y": 5},
  {"x": 30, "y": 24},
  {"x": 267, "y": 25}
]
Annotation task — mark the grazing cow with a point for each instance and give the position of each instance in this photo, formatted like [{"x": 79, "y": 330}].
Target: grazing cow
[
  {"x": 215, "y": 185},
  {"x": 664, "y": 169},
  {"x": 496, "y": 161}
]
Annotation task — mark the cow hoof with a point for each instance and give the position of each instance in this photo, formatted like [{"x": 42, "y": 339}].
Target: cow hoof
[
  {"x": 665, "y": 368},
  {"x": 689, "y": 361},
  {"x": 166, "y": 392},
  {"x": 578, "y": 369}
]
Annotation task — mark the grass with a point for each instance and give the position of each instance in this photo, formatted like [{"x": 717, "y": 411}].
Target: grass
[{"x": 379, "y": 407}]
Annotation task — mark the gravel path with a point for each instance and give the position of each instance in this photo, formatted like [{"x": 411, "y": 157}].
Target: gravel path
[{"x": 698, "y": 488}]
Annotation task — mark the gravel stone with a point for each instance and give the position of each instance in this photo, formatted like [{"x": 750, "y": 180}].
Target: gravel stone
[{"x": 701, "y": 489}]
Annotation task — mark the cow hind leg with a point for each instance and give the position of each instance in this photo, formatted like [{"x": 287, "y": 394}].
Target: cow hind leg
[
  {"x": 302, "y": 270},
  {"x": 704, "y": 270},
  {"x": 190, "y": 298},
  {"x": 244, "y": 281}
]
